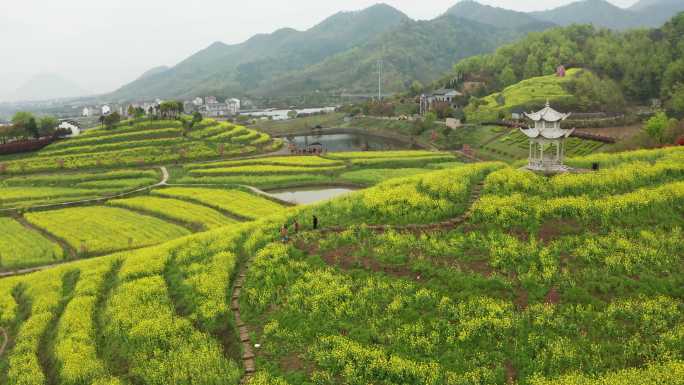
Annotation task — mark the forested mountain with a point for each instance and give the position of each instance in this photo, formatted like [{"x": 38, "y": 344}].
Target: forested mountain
[
  {"x": 224, "y": 69},
  {"x": 154, "y": 71},
  {"x": 646, "y": 64},
  {"x": 417, "y": 50},
  {"x": 47, "y": 86},
  {"x": 340, "y": 54},
  {"x": 646, "y": 13},
  {"x": 500, "y": 17}
]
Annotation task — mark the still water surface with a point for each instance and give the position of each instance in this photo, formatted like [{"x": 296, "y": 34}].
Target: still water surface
[{"x": 305, "y": 196}]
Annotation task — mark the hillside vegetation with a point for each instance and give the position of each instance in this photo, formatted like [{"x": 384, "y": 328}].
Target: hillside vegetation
[
  {"x": 644, "y": 64},
  {"x": 523, "y": 95},
  {"x": 339, "y": 55},
  {"x": 474, "y": 274}
]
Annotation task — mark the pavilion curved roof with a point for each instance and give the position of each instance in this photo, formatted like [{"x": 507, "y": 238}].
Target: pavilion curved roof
[
  {"x": 547, "y": 114},
  {"x": 547, "y": 133}
]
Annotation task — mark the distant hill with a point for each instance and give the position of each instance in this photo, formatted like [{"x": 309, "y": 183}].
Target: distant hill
[
  {"x": 500, "y": 17},
  {"x": 226, "y": 69},
  {"x": 154, "y": 71},
  {"x": 646, "y": 13},
  {"x": 645, "y": 4},
  {"x": 417, "y": 50},
  {"x": 631, "y": 67},
  {"x": 47, "y": 86},
  {"x": 340, "y": 54},
  {"x": 598, "y": 12},
  {"x": 656, "y": 12}
]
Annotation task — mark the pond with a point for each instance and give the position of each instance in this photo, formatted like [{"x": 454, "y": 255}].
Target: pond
[
  {"x": 349, "y": 142},
  {"x": 303, "y": 196}
]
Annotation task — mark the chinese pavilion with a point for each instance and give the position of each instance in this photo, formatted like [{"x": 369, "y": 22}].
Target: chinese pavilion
[{"x": 547, "y": 140}]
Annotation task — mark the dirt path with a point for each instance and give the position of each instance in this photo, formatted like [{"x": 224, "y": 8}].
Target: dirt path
[
  {"x": 253, "y": 189},
  {"x": 5, "y": 341},
  {"x": 55, "y": 206},
  {"x": 68, "y": 250},
  {"x": 248, "y": 357},
  {"x": 30, "y": 270}
]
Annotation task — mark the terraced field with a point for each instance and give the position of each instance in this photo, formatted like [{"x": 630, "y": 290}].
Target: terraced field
[
  {"x": 471, "y": 274},
  {"x": 41, "y": 189},
  {"x": 515, "y": 146},
  {"x": 22, "y": 247},
  {"x": 196, "y": 216},
  {"x": 333, "y": 168},
  {"x": 143, "y": 143},
  {"x": 239, "y": 203},
  {"x": 101, "y": 230}
]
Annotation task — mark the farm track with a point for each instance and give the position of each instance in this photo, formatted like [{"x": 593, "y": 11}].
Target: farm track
[
  {"x": 113, "y": 362},
  {"x": 5, "y": 341},
  {"x": 68, "y": 250},
  {"x": 46, "y": 343},
  {"x": 253, "y": 189},
  {"x": 248, "y": 357},
  {"x": 54, "y": 206}
]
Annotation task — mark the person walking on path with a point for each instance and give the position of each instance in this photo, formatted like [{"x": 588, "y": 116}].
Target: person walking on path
[
  {"x": 315, "y": 222},
  {"x": 283, "y": 234}
]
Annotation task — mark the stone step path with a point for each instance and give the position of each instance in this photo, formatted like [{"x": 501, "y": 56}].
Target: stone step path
[
  {"x": 475, "y": 194},
  {"x": 248, "y": 357}
]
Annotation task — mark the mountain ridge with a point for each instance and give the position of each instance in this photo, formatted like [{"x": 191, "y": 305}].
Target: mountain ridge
[
  {"x": 254, "y": 66},
  {"x": 47, "y": 86}
]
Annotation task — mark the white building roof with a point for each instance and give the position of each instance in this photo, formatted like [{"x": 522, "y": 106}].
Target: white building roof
[
  {"x": 547, "y": 114},
  {"x": 547, "y": 133}
]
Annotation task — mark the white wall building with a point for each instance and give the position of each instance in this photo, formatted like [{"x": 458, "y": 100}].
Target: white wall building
[
  {"x": 233, "y": 106},
  {"x": 70, "y": 125},
  {"x": 106, "y": 110},
  {"x": 197, "y": 101}
]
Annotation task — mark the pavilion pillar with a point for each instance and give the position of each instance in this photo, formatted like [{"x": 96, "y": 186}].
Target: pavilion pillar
[{"x": 530, "y": 157}]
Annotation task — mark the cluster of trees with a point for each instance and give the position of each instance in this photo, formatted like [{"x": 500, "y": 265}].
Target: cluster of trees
[
  {"x": 25, "y": 125},
  {"x": 641, "y": 64},
  {"x": 170, "y": 109},
  {"x": 665, "y": 130},
  {"x": 110, "y": 120}
]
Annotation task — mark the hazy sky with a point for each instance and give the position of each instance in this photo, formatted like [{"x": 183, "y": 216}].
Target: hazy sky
[{"x": 102, "y": 45}]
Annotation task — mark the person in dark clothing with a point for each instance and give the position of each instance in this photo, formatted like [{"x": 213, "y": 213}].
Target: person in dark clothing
[
  {"x": 315, "y": 222},
  {"x": 296, "y": 226},
  {"x": 284, "y": 234}
]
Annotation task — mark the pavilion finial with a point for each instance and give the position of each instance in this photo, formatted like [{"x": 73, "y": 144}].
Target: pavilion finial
[{"x": 548, "y": 104}]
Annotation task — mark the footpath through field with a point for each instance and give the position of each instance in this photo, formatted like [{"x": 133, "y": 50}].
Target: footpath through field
[
  {"x": 248, "y": 356},
  {"x": 4, "y": 342},
  {"x": 162, "y": 182}
]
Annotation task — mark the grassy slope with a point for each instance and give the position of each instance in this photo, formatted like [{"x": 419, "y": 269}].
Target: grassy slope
[{"x": 527, "y": 92}]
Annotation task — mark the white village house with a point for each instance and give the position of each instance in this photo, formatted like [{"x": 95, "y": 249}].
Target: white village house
[
  {"x": 444, "y": 95},
  {"x": 547, "y": 140},
  {"x": 215, "y": 109},
  {"x": 70, "y": 125}
]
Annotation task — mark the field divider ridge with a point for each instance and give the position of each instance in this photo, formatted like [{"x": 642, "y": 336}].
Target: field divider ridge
[{"x": 53, "y": 206}]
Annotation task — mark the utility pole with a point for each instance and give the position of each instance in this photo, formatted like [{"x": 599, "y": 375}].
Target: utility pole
[{"x": 379, "y": 80}]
